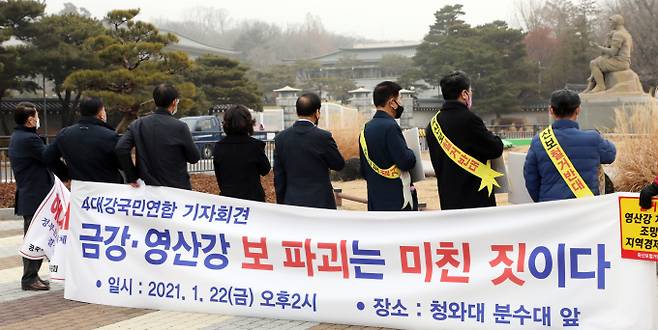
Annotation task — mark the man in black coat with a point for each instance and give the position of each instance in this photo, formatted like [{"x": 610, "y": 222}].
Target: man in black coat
[
  {"x": 163, "y": 145},
  {"x": 458, "y": 188},
  {"x": 88, "y": 146},
  {"x": 33, "y": 180},
  {"x": 386, "y": 150},
  {"x": 303, "y": 156}
]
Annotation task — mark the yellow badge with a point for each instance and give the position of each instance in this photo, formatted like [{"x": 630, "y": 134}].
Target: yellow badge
[
  {"x": 392, "y": 172},
  {"x": 464, "y": 160},
  {"x": 563, "y": 164}
]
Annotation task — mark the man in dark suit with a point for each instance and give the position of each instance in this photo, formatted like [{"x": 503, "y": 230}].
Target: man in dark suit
[
  {"x": 459, "y": 189},
  {"x": 88, "y": 146},
  {"x": 163, "y": 145},
  {"x": 33, "y": 180},
  {"x": 386, "y": 157},
  {"x": 303, "y": 156}
]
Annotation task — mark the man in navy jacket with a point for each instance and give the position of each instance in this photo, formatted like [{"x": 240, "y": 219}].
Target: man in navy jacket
[
  {"x": 303, "y": 156},
  {"x": 587, "y": 150},
  {"x": 33, "y": 180},
  {"x": 88, "y": 146},
  {"x": 386, "y": 148}
]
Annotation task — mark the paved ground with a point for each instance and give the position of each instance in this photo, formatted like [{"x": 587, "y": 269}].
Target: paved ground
[{"x": 49, "y": 310}]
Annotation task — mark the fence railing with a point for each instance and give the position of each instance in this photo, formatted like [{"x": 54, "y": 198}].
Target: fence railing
[
  {"x": 207, "y": 165},
  {"x": 204, "y": 165},
  {"x": 6, "y": 174},
  {"x": 516, "y": 131}
]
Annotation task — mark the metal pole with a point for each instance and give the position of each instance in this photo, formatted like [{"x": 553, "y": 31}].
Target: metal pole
[
  {"x": 538, "y": 78},
  {"x": 45, "y": 110}
]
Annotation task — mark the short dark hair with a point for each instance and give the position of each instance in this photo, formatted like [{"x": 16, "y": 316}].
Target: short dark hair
[
  {"x": 564, "y": 102},
  {"x": 164, "y": 95},
  {"x": 238, "y": 121},
  {"x": 23, "y": 111},
  {"x": 90, "y": 106},
  {"x": 453, "y": 84},
  {"x": 308, "y": 104},
  {"x": 384, "y": 91}
]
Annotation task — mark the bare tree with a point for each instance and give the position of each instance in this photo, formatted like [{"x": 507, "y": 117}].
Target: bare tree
[
  {"x": 216, "y": 19},
  {"x": 529, "y": 13}
]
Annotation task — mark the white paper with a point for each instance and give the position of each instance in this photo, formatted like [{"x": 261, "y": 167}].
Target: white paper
[{"x": 411, "y": 137}]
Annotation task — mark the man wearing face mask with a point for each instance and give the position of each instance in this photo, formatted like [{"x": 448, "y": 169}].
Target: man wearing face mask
[
  {"x": 385, "y": 157},
  {"x": 460, "y": 160},
  {"x": 303, "y": 156},
  {"x": 33, "y": 180},
  {"x": 163, "y": 145},
  {"x": 88, "y": 146}
]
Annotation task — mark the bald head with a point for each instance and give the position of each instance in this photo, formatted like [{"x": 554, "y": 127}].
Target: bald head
[{"x": 308, "y": 104}]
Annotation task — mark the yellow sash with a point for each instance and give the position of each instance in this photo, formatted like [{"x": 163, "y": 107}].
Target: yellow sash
[
  {"x": 392, "y": 172},
  {"x": 563, "y": 164},
  {"x": 464, "y": 160}
]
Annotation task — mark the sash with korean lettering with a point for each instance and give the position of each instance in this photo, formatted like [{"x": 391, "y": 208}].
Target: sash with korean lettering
[
  {"x": 464, "y": 160},
  {"x": 392, "y": 172},
  {"x": 563, "y": 164}
]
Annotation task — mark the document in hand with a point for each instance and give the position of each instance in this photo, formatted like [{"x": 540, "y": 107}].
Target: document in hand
[
  {"x": 498, "y": 165},
  {"x": 411, "y": 136},
  {"x": 518, "y": 194}
]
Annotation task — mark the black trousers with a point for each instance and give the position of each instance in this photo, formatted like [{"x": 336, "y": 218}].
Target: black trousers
[{"x": 30, "y": 267}]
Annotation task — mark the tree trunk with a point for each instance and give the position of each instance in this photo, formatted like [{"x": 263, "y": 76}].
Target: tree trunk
[
  {"x": 128, "y": 116},
  {"x": 66, "y": 109},
  {"x": 5, "y": 127}
]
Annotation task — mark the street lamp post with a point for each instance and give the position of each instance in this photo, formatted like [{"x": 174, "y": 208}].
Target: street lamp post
[{"x": 45, "y": 110}]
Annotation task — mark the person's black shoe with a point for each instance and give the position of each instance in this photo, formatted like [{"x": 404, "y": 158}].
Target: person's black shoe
[
  {"x": 44, "y": 282},
  {"x": 35, "y": 286}
]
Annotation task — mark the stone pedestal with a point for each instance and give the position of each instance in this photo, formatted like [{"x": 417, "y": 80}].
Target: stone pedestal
[
  {"x": 626, "y": 82},
  {"x": 287, "y": 98},
  {"x": 362, "y": 100},
  {"x": 598, "y": 110}
]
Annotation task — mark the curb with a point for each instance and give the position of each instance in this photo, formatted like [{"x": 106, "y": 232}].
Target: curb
[{"x": 8, "y": 215}]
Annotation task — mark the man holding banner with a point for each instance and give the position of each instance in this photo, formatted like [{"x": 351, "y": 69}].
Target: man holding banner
[
  {"x": 461, "y": 148},
  {"x": 647, "y": 193},
  {"x": 33, "y": 181},
  {"x": 563, "y": 161},
  {"x": 88, "y": 146},
  {"x": 163, "y": 145}
]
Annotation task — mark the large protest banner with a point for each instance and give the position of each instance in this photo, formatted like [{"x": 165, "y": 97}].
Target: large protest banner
[{"x": 527, "y": 266}]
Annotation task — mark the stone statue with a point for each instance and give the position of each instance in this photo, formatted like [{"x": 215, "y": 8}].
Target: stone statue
[{"x": 611, "y": 72}]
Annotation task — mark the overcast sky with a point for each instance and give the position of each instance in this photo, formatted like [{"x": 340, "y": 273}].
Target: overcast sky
[{"x": 373, "y": 19}]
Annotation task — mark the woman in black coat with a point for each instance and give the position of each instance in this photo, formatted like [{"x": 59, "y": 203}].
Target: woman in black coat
[{"x": 239, "y": 159}]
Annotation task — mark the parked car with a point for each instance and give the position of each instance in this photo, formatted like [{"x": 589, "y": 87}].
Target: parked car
[{"x": 206, "y": 130}]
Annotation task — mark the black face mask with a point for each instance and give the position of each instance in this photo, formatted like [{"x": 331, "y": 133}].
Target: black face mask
[{"x": 399, "y": 111}]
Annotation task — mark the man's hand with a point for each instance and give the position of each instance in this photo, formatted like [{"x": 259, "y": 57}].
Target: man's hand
[
  {"x": 134, "y": 184},
  {"x": 646, "y": 194}
]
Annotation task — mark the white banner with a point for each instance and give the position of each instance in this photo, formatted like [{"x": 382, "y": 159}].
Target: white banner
[
  {"x": 48, "y": 233},
  {"x": 527, "y": 266}
]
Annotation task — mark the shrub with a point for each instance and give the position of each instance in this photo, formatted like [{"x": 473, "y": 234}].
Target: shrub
[{"x": 636, "y": 138}]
